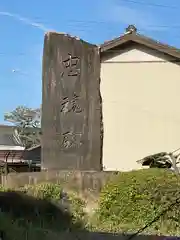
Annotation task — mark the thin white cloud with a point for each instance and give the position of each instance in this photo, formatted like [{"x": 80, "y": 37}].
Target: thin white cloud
[
  {"x": 25, "y": 20},
  {"x": 127, "y": 14}
]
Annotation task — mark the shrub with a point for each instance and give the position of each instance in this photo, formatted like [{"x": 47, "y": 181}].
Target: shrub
[
  {"x": 133, "y": 199},
  {"x": 40, "y": 209},
  {"x": 48, "y": 191},
  {"x": 67, "y": 202}
]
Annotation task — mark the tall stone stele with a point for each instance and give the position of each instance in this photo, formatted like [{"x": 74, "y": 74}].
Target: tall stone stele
[{"x": 71, "y": 107}]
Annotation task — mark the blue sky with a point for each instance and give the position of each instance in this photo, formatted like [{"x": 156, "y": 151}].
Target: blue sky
[{"x": 23, "y": 24}]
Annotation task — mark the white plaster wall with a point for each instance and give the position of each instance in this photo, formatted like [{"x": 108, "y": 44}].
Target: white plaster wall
[{"x": 141, "y": 107}]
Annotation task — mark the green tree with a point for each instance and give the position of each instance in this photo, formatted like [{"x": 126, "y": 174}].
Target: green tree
[{"x": 28, "y": 124}]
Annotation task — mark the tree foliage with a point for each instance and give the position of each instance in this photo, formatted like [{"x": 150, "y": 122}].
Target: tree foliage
[{"x": 27, "y": 122}]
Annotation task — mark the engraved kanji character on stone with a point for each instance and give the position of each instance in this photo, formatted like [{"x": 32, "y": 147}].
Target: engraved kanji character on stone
[
  {"x": 68, "y": 105},
  {"x": 71, "y": 140},
  {"x": 71, "y": 64}
]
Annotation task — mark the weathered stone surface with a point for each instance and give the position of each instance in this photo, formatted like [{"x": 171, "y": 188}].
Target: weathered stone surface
[{"x": 71, "y": 110}]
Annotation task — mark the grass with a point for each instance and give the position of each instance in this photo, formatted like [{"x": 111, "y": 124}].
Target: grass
[{"x": 45, "y": 211}]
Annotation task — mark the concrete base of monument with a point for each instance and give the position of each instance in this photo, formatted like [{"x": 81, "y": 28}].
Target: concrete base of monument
[{"x": 85, "y": 182}]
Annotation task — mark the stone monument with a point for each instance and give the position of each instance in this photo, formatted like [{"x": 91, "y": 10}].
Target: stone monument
[{"x": 71, "y": 104}]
